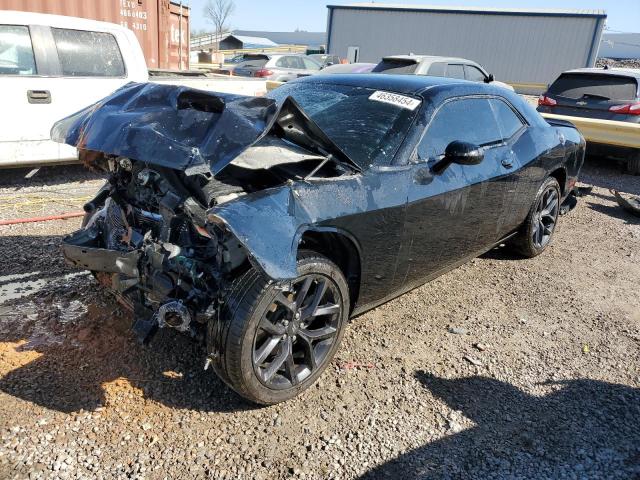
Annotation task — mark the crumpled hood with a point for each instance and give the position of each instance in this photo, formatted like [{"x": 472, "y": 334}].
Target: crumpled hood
[
  {"x": 167, "y": 125},
  {"x": 184, "y": 128}
]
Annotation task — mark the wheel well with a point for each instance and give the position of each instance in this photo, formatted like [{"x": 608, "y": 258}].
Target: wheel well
[
  {"x": 561, "y": 176},
  {"x": 340, "y": 250}
]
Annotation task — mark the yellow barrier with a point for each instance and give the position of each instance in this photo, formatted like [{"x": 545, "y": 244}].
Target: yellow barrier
[
  {"x": 530, "y": 88},
  {"x": 272, "y": 85},
  {"x": 607, "y": 132}
]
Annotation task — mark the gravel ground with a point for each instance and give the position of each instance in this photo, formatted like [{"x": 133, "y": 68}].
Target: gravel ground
[
  {"x": 625, "y": 63},
  {"x": 503, "y": 368}
]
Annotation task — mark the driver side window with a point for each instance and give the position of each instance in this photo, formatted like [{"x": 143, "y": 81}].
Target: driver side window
[{"x": 464, "y": 119}]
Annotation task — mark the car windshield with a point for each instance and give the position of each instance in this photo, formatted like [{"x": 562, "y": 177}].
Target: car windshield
[
  {"x": 367, "y": 125},
  {"x": 577, "y": 85},
  {"x": 396, "y": 66}
]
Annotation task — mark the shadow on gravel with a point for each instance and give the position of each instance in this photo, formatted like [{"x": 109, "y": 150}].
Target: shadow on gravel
[
  {"x": 615, "y": 211},
  {"x": 584, "y": 429},
  {"x": 609, "y": 173},
  {"x": 98, "y": 363}
]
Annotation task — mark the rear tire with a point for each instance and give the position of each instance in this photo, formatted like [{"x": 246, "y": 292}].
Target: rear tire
[
  {"x": 277, "y": 340},
  {"x": 539, "y": 227},
  {"x": 633, "y": 165}
]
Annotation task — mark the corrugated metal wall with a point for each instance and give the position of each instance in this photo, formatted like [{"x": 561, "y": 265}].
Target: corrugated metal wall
[
  {"x": 156, "y": 23},
  {"x": 515, "y": 48}
]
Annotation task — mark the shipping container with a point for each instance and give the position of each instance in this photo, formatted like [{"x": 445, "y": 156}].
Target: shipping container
[{"x": 162, "y": 27}]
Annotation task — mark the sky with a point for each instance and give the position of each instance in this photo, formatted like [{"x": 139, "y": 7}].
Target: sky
[{"x": 311, "y": 15}]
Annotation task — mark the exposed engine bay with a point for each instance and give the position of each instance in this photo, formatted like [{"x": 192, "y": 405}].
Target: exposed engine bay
[{"x": 146, "y": 234}]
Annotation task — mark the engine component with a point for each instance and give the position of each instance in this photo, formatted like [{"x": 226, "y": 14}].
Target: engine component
[{"x": 175, "y": 315}]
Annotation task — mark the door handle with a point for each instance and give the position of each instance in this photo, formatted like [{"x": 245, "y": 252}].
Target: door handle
[{"x": 39, "y": 96}]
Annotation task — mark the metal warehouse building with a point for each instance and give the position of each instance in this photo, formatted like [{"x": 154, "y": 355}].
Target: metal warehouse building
[{"x": 527, "y": 48}]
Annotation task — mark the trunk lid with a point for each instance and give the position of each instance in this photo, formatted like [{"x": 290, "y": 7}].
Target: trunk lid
[{"x": 592, "y": 95}]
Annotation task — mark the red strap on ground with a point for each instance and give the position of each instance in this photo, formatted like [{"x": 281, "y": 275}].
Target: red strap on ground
[{"x": 62, "y": 216}]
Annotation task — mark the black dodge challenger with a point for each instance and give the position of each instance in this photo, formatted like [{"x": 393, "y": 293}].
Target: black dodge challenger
[{"x": 263, "y": 224}]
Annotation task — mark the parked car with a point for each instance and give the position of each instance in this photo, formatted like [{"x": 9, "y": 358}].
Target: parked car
[
  {"x": 276, "y": 67},
  {"x": 52, "y": 66},
  {"x": 325, "y": 60},
  {"x": 604, "y": 93},
  {"x": 342, "y": 68},
  {"x": 271, "y": 221},
  {"x": 451, "y": 67}
]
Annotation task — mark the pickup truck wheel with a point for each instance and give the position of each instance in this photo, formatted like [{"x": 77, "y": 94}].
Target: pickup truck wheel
[
  {"x": 538, "y": 228},
  {"x": 278, "y": 339},
  {"x": 633, "y": 165}
]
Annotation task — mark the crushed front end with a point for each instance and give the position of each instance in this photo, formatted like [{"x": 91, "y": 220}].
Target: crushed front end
[{"x": 145, "y": 237}]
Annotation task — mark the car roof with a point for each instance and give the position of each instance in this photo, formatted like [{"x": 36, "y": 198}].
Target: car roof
[
  {"x": 407, "y": 84},
  {"x": 12, "y": 17},
  {"x": 629, "y": 72},
  {"x": 423, "y": 58}
]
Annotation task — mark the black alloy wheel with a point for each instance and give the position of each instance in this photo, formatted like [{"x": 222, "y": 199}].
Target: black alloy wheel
[
  {"x": 277, "y": 338},
  {"x": 297, "y": 331},
  {"x": 538, "y": 229},
  {"x": 545, "y": 217}
]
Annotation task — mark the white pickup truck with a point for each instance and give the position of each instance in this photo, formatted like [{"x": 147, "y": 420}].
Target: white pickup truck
[{"x": 52, "y": 66}]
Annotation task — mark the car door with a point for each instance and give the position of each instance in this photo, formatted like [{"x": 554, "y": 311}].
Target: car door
[
  {"x": 456, "y": 213},
  {"x": 27, "y": 103},
  {"x": 288, "y": 68},
  {"x": 74, "y": 69},
  {"x": 310, "y": 66}
]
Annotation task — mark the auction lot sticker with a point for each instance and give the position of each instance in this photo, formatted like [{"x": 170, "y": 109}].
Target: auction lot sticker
[{"x": 401, "y": 101}]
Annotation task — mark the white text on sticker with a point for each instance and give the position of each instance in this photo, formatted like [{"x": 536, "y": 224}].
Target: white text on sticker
[{"x": 395, "y": 99}]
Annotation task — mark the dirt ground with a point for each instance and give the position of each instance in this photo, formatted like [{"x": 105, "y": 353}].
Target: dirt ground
[{"x": 503, "y": 368}]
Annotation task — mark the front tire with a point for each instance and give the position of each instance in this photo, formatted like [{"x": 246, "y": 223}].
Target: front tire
[
  {"x": 278, "y": 338},
  {"x": 539, "y": 227}
]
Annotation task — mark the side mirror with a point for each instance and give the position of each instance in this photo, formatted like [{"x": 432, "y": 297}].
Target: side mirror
[
  {"x": 490, "y": 78},
  {"x": 328, "y": 64},
  {"x": 463, "y": 153}
]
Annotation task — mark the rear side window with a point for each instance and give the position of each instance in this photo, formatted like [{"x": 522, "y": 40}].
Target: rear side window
[
  {"x": 608, "y": 87},
  {"x": 437, "y": 69},
  {"x": 468, "y": 120},
  {"x": 473, "y": 74},
  {"x": 88, "y": 54},
  {"x": 256, "y": 62},
  {"x": 508, "y": 122},
  {"x": 396, "y": 66},
  {"x": 310, "y": 64},
  {"x": 16, "y": 51},
  {"x": 455, "y": 71}
]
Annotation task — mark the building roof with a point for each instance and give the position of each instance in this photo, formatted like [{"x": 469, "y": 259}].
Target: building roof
[
  {"x": 212, "y": 38},
  {"x": 288, "y": 38},
  {"x": 478, "y": 10},
  {"x": 262, "y": 41}
]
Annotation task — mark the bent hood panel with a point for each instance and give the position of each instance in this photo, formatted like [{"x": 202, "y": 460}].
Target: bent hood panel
[
  {"x": 171, "y": 126},
  {"x": 187, "y": 129}
]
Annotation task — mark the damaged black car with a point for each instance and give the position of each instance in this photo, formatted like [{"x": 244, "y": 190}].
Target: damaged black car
[{"x": 261, "y": 225}]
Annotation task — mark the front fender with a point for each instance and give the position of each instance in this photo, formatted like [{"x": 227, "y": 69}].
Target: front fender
[{"x": 267, "y": 225}]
